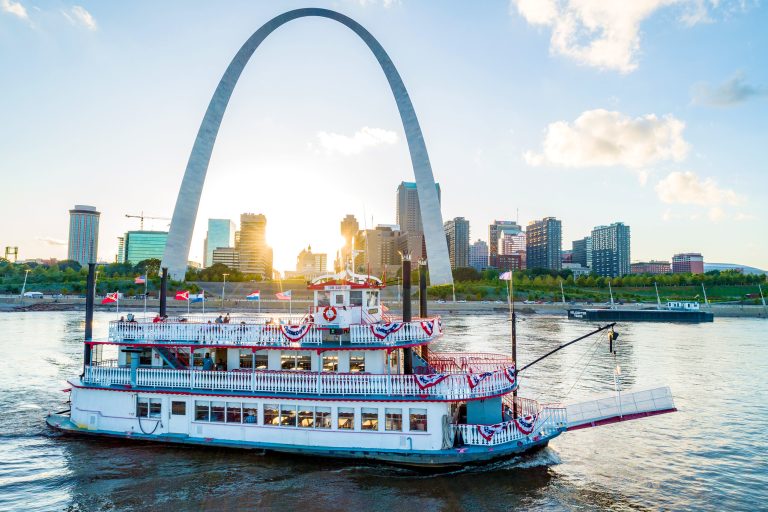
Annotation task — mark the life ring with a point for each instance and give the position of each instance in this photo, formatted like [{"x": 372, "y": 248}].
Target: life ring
[{"x": 329, "y": 313}]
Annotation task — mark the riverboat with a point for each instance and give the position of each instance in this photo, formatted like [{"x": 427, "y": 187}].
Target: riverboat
[
  {"x": 343, "y": 380},
  {"x": 675, "y": 311}
]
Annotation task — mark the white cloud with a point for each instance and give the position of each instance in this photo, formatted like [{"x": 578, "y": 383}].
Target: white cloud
[
  {"x": 609, "y": 138},
  {"x": 604, "y": 33},
  {"x": 15, "y": 8},
  {"x": 687, "y": 188},
  {"x": 51, "y": 241},
  {"x": 733, "y": 91},
  {"x": 78, "y": 15},
  {"x": 361, "y": 140}
]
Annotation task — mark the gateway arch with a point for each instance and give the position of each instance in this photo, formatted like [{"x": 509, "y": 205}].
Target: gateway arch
[{"x": 187, "y": 203}]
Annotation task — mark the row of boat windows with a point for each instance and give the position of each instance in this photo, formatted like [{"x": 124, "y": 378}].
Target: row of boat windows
[
  {"x": 287, "y": 415},
  {"x": 260, "y": 361}
]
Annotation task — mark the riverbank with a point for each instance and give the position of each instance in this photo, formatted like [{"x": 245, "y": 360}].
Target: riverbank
[{"x": 299, "y": 306}]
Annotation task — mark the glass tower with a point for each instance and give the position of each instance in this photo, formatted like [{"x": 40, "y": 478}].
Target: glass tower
[{"x": 83, "y": 234}]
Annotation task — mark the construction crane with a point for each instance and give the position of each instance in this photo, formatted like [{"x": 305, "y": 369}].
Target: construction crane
[{"x": 142, "y": 217}]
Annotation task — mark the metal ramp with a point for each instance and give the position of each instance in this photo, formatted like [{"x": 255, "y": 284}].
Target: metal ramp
[{"x": 634, "y": 405}]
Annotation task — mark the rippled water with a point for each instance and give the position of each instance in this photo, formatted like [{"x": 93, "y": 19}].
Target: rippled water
[{"x": 712, "y": 454}]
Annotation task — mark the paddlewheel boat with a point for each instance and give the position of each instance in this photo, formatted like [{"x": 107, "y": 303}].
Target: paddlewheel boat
[{"x": 343, "y": 380}]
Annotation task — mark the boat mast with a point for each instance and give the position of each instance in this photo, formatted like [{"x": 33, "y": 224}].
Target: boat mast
[
  {"x": 562, "y": 293},
  {"x": 610, "y": 290},
  {"x": 762, "y": 297},
  {"x": 706, "y": 301},
  {"x": 658, "y": 299}
]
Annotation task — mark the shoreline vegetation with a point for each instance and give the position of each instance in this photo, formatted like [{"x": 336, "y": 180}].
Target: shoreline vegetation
[{"x": 67, "y": 278}]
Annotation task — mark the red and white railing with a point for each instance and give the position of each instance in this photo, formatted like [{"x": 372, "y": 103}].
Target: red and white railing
[
  {"x": 220, "y": 334},
  {"x": 401, "y": 332},
  {"x": 551, "y": 420},
  {"x": 464, "y": 362},
  {"x": 452, "y": 387}
]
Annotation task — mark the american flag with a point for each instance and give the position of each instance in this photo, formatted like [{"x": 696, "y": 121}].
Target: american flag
[
  {"x": 140, "y": 279},
  {"x": 283, "y": 295}
]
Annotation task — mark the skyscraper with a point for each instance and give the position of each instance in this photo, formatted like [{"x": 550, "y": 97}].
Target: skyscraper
[
  {"x": 143, "y": 245},
  {"x": 255, "y": 254},
  {"x": 610, "y": 250},
  {"x": 221, "y": 233},
  {"x": 83, "y": 244},
  {"x": 582, "y": 251},
  {"x": 478, "y": 255},
  {"x": 349, "y": 229},
  {"x": 495, "y": 231},
  {"x": 543, "y": 244},
  {"x": 457, "y": 236},
  {"x": 408, "y": 215}
]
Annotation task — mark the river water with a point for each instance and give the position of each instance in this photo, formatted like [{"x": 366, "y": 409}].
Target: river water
[{"x": 711, "y": 454}]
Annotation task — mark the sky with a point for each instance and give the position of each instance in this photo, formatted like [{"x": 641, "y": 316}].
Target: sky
[{"x": 650, "y": 112}]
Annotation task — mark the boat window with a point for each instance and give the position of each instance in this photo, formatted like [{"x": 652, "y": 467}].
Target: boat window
[
  {"x": 142, "y": 407},
  {"x": 338, "y": 299},
  {"x": 251, "y": 413},
  {"x": 304, "y": 362},
  {"x": 346, "y": 419},
  {"x": 369, "y": 419},
  {"x": 155, "y": 405},
  {"x": 356, "y": 362},
  {"x": 179, "y": 408},
  {"x": 271, "y": 414},
  {"x": 373, "y": 298},
  {"x": 322, "y": 299},
  {"x": 393, "y": 419},
  {"x": 234, "y": 412},
  {"x": 322, "y": 417},
  {"x": 288, "y": 362},
  {"x": 202, "y": 410},
  {"x": 306, "y": 417},
  {"x": 287, "y": 416},
  {"x": 217, "y": 412},
  {"x": 245, "y": 358},
  {"x": 418, "y": 420},
  {"x": 293, "y": 361},
  {"x": 331, "y": 363},
  {"x": 356, "y": 298},
  {"x": 145, "y": 358}
]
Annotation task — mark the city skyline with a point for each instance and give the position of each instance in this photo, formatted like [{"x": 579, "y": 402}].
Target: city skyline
[{"x": 686, "y": 159}]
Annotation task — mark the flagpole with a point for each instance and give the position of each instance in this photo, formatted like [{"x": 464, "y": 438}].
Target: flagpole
[
  {"x": 203, "y": 301},
  {"x": 145, "y": 295},
  {"x": 188, "y": 303},
  {"x": 117, "y": 302}
]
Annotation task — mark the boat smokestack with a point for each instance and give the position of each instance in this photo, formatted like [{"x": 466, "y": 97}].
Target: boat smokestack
[
  {"x": 163, "y": 290},
  {"x": 423, "y": 288},
  {"x": 90, "y": 292},
  {"x": 407, "y": 315}
]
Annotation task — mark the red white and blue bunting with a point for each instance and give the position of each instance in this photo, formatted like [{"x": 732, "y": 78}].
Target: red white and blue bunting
[
  {"x": 427, "y": 381},
  {"x": 428, "y": 326},
  {"x": 295, "y": 332},
  {"x": 511, "y": 374},
  {"x": 381, "y": 331},
  {"x": 476, "y": 378},
  {"x": 488, "y": 431},
  {"x": 525, "y": 424}
]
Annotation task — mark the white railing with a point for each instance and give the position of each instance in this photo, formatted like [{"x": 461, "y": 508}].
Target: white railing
[
  {"x": 551, "y": 420},
  {"x": 468, "y": 362},
  {"x": 453, "y": 387},
  {"x": 225, "y": 334},
  {"x": 409, "y": 332}
]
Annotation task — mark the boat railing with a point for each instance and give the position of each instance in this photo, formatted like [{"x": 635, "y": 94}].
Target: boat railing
[
  {"x": 396, "y": 332},
  {"x": 269, "y": 334},
  {"x": 450, "y": 387},
  {"x": 475, "y": 362},
  {"x": 549, "y": 420}
]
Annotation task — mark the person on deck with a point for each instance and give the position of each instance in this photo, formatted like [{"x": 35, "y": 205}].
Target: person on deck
[
  {"x": 226, "y": 319},
  {"x": 219, "y": 320},
  {"x": 207, "y": 362},
  {"x": 157, "y": 319}
]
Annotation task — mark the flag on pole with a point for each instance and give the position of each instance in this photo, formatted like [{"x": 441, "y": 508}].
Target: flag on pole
[
  {"x": 506, "y": 276},
  {"x": 199, "y": 297},
  {"x": 140, "y": 280},
  {"x": 284, "y": 295},
  {"x": 110, "y": 297},
  {"x": 182, "y": 295},
  {"x": 254, "y": 296}
]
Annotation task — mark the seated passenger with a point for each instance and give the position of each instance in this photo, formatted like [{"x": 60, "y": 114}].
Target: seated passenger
[
  {"x": 207, "y": 362},
  {"x": 251, "y": 418}
]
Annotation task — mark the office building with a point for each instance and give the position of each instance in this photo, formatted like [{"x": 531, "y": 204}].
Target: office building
[
  {"x": 688, "y": 263},
  {"x": 582, "y": 252},
  {"x": 543, "y": 244},
  {"x": 502, "y": 229},
  {"x": 610, "y": 250},
  {"x": 576, "y": 269},
  {"x": 83, "y": 243},
  {"x": 651, "y": 267},
  {"x": 457, "y": 236},
  {"x": 511, "y": 261},
  {"x": 228, "y": 256},
  {"x": 120, "y": 256},
  {"x": 349, "y": 230},
  {"x": 378, "y": 250},
  {"x": 143, "y": 245},
  {"x": 311, "y": 265},
  {"x": 478, "y": 255},
  {"x": 221, "y": 233},
  {"x": 255, "y": 254},
  {"x": 408, "y": 217}
]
